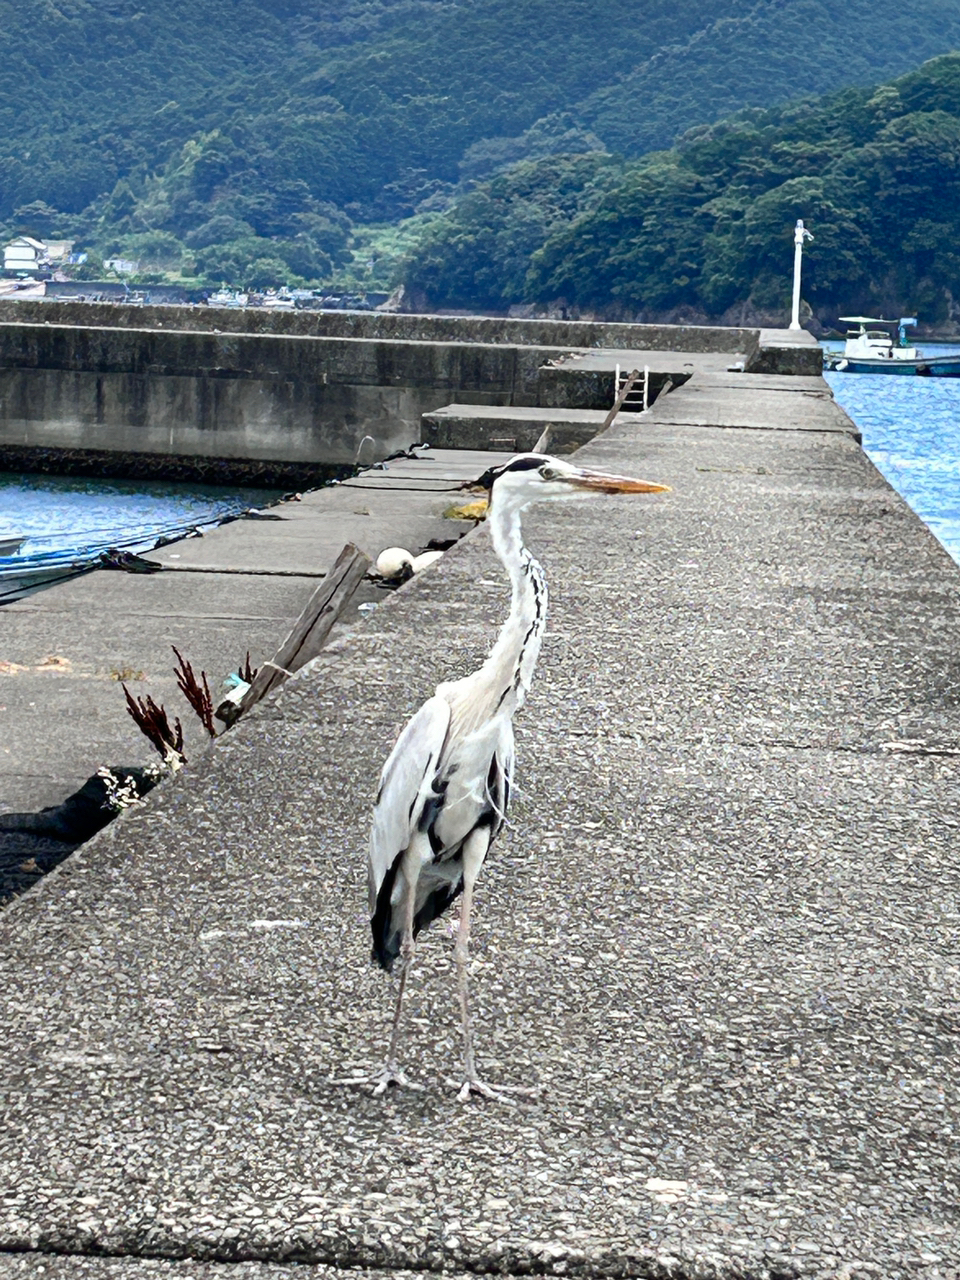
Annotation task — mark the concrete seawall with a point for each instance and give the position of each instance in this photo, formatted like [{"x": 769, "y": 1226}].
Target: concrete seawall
[
  {"x": 243, "y": 392},
  {"x": 720, "y": 930},
  {"x": 372, "y": 324}
]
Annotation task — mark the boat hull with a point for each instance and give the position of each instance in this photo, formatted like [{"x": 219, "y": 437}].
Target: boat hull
[
  {"x": 15, "y": 583},
  {"x": 924, "y": 367}
]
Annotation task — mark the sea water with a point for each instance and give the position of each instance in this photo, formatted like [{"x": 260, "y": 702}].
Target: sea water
[
  {"x": 911, "y": 432},
  {"x": 64, "y": 513}
]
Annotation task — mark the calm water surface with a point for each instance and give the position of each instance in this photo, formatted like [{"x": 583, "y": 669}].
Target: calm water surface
[
  {"x": 911, "y": 431},
  {"x": 61, "y": 512}
]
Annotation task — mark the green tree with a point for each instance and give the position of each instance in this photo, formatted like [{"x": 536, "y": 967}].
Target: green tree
[{"x": 267, "y": 273}]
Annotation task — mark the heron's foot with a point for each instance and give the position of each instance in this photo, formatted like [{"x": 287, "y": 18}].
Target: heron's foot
[
  {"x": 392, "y": 1075},
  {"x": 382, "y": 1080},
  {"x": 498, "y": 1093}
]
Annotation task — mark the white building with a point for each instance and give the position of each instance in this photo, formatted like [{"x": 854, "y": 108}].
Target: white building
[
  {"x": 26, "y": 254},
  {"x": 57, "y": 250},
  {"x": 122, "y": 266},
  {"x": 23, "y": 254}
]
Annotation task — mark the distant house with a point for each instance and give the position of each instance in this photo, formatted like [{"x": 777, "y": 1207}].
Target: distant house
[
  {"x": 26, "y": 254},
  {"x": 23, "y": 254},
  {"x": 58, "y": 250},
  {"x": 122, "y": 266}
]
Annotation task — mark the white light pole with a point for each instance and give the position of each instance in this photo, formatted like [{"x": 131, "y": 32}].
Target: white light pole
[{"x": 800, "y": 234}]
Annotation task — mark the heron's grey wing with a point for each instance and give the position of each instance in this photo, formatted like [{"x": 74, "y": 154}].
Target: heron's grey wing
[
  {"x": 477, "y": 770},
  {"x": 405, "y": 782},
  {"x": 501, "y": 780}
]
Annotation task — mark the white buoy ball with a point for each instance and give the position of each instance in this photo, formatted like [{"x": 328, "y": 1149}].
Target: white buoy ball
[
  {"x": 425, "y": 559},
  {"x": 392, "y": 562}
]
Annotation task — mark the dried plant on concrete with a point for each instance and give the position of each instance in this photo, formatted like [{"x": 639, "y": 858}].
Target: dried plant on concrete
[
  {"x": 247, "y": 673},
  {"x": 153, "y": 723},
  {"x": 197, "y": 693}
]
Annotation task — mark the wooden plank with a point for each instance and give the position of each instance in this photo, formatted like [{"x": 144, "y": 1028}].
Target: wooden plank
[{"x": 309, "y": 633}]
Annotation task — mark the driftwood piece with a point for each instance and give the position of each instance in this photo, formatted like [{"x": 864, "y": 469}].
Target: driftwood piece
[
  {"x": 309, "y": 632},
  {"x": 624, "y": 392}
]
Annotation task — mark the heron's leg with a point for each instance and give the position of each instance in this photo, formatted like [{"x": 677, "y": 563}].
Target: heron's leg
[
  {"x": 392, "y": 1072},
  {"x": 471, "y": 1079},
  {"x": 461, "y": 954}
]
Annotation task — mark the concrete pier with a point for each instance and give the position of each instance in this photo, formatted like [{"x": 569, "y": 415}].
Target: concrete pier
[
  {"x": 238, "y": 589},
  {"x": 720, "y": 930},
  {"x": 237, "y": 396}
]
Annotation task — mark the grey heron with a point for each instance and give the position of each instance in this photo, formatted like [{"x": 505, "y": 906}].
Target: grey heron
[{"x": 445, "y": 787}]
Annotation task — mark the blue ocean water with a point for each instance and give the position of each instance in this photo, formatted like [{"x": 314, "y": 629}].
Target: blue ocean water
[
  {"x": 911, "y": 431},
  {"x": 65, "y": 513}
]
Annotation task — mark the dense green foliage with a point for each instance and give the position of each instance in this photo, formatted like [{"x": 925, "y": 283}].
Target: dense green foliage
[
  {"x": 254, "y": 135},
  {"x": 759, "y": 54},
  {"x": 708, "y": 226}
]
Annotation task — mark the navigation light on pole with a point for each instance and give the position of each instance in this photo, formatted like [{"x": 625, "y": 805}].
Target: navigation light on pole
[{"x": 800, "y": 234}]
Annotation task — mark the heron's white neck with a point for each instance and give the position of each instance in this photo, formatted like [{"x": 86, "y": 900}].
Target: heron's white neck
[{"x": 511, "y": 662}]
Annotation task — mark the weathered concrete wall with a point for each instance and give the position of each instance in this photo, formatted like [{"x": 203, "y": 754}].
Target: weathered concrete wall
[
  {"x": 310, "y": 387},
  {"x": 260, "y": 396},
  {"x": 370, "y": 324}
]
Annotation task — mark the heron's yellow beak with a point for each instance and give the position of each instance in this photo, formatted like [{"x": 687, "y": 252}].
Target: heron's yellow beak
[{"x": 601, "y": 482}]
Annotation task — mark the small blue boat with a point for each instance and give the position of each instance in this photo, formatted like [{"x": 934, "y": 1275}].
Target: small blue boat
[
  {"x": 23, "y": 572},
  {"x": 22, "y": 575}
]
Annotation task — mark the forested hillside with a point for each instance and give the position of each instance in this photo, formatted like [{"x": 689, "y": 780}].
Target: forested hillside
[
  {"x": 243, "y": 141},
  {"x": 706, "y": 228}
]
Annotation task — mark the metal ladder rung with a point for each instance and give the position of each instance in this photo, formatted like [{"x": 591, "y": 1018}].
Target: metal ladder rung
[{"x": 638, "y": 397}]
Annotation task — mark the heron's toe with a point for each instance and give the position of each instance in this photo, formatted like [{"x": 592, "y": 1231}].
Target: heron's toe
[
  {"x": 498, "y": 1093},
  {"x": 391, "y": 1075}
]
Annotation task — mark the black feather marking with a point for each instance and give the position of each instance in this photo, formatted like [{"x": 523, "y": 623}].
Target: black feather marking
[
  {"x": 436, "y": 845},
  {"x": 386, "y": 935},
  {"x": 528, "y": 462},
  {"x": 436, "y": 904},
  {"x": 498, "y": 788},
  {"x": 433, "y": 805}
]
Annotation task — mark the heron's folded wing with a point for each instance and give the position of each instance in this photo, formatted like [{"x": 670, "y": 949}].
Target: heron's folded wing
[
  {"x": 406, "y": 779},
  {"x": 503, "y": 780},
  {"x": 477, "y": 768}
]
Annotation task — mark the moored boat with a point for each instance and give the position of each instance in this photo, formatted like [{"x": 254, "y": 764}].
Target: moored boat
[
  {"x": 870, "y": 348},
  {"x": 22, "y": 575}
]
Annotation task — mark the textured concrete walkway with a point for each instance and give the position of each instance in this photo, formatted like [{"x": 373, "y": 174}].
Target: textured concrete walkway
[
  {"x": 721, "y": 930},
  {"x": 236, "y": 590}
]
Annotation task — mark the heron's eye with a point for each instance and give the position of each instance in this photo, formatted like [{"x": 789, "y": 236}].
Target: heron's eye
[{"x": 549, "y": 473}]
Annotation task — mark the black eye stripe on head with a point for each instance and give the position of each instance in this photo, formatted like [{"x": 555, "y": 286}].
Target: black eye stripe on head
[
  {"x": 526, "y": 462},
  {"x": 529, "y": 463}
]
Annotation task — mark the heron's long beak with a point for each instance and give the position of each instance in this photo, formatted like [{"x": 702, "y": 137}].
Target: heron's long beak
[{"x": 601, "y": 482}]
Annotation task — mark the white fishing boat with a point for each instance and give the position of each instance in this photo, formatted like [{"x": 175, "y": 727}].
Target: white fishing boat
[
  {"x": 234, "y": 300},
  {"x": 870, "y": 348},
  {"x": 280, "y": 301}
]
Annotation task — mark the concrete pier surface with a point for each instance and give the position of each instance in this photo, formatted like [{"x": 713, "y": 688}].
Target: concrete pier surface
[
  {"x": 720, "y": 930},
  {"x": 238, "y": 589}
]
